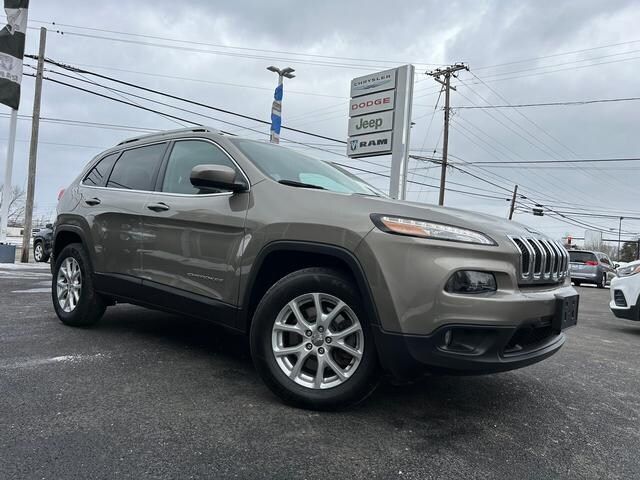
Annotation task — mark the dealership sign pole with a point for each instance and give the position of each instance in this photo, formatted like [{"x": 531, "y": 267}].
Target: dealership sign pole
[
  {"x": 12, "y": 40},
  {"x": 380, "y": 121}
]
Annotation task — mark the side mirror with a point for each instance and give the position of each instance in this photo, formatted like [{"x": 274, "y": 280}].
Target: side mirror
[
  {"x": 616, "y": 265},
  {"x": 217, "y": 177},
  {"x": 49, "y": 226}
]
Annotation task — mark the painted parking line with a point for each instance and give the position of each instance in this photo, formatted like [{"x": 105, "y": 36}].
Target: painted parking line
[{"x": 33, "y": 290}]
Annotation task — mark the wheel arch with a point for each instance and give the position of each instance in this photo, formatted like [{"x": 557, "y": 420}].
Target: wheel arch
[
  {"x": 65, "y": 235},
  {"x": 279, "y": 258}
]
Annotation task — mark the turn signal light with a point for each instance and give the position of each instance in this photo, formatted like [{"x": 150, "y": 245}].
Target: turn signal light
[{"x": 60, "y": 193}]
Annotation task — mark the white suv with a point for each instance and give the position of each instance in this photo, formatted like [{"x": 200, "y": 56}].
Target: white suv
[{"x": 625, "y": 292}]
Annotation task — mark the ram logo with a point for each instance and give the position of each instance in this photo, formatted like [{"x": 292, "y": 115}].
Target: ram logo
[{"x": 354, "y": 144}]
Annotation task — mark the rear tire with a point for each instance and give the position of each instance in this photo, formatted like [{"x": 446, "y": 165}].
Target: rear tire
[
  {"x": 39, "y": 254},
  {"x": 286, "y": 319},
  {"x": 74, "y": 299},
  {"x": 577, "y": 283},
  {"x": 603, "y": 281}
]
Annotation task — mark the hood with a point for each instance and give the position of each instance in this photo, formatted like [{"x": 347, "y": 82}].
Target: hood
[{"x": 487, "y": 224}]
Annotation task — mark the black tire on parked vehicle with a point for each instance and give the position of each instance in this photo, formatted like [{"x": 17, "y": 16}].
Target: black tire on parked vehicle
[
  {"x": 603, "y": 281},
  {"x": 577, "y": 283},
  {"x": 322, "y": 363},
  {"x": 39, "y": 254},
  {"x": 75, "y": 301}
]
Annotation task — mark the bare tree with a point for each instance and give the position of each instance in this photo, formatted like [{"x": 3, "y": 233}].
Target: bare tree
[{"x": 16, "y": 206}]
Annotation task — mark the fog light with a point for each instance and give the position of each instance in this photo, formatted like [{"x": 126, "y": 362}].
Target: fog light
[{"x": 470, "y": 281}]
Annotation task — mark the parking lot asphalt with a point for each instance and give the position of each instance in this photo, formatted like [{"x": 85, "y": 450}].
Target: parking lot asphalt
[{"x": 149, "y": 395}]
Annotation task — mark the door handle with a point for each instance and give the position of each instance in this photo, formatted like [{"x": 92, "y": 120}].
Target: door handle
[
  {"x": 158, "y": 207},
  {"x": 92, "y": 201}
]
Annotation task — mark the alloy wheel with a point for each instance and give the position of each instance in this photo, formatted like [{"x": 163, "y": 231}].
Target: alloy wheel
[
  {"x": 69, "y": 284},
  {"x": 38, "y": 252},
  {"x": 317, "y": 341}
]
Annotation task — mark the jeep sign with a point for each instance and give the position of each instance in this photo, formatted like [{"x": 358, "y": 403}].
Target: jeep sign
[
  {"x": 376, "y": 102},
  {"x": 375, "y": 143},
  {"x": 376, "y": 122}
]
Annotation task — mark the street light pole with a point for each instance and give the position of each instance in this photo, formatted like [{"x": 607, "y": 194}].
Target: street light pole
[
  {"x": 276, "y": 107},
  {"x": 619, "y": 233}
]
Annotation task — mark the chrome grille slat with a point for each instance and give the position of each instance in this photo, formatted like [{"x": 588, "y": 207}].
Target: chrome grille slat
[{"x": 541, "y": 260}]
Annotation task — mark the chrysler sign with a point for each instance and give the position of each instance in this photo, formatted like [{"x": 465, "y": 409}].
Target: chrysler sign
[{"x": 375, "y": 82}]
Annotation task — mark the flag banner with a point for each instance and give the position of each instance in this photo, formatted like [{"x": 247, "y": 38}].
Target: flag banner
[
  {"x": 276, "y": 114},
  {"x": 12, "y": 39}
]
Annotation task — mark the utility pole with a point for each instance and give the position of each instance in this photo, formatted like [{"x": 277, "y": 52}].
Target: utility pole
[
  {"x": 276, "y": 107},
  {"x": 33, "y": 150},
  {"x": 619, "y": 234},
  {"x": 443, "y": 77},
  {"x": 513, "y": 202}
]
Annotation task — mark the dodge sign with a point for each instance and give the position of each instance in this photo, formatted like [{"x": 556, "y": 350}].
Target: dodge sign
[{"x": 376, "y": 102}]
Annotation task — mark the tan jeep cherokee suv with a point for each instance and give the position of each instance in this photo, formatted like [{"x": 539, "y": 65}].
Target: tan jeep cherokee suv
[{"x": 333, "y": 282}]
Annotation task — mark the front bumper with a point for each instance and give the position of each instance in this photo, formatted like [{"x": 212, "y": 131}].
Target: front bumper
[
  {"x": 409, "y": 356},
  {"x": 629, "y": 290}
]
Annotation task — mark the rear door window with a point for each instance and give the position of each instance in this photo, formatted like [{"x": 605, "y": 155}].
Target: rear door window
[
  {"x": 97, "y": 176},
  {"x": 137, "y": 169},
  {"x": 582, "y": 257}
]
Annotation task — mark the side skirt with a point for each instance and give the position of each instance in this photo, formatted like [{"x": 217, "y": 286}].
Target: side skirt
[{"x": 156, "y": 296}]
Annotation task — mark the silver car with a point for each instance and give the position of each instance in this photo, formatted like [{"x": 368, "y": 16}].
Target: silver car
[{"x": 591, "y": 267}]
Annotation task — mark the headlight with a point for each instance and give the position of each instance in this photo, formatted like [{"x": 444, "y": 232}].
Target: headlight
[
  {"x": 432, "y": 230},
  {"x": 628, "y": 271}
]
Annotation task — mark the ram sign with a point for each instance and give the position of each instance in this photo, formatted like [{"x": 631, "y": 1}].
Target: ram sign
[{"x": 369, "y": 144}]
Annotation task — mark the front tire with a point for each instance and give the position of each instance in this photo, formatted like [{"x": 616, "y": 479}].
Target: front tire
[
  {"x": 74, "y": 299},
  {"x": 603, "y": 281},
  {"x": 320, "y": 362}
]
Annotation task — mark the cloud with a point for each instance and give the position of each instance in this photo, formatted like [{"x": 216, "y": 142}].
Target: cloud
[{"x": 482, "y": 33}]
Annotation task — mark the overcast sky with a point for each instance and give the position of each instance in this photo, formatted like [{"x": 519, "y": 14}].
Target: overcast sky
[{"x": 518, "y": 52}]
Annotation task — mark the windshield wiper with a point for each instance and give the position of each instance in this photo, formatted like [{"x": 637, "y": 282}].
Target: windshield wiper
[{"x": 293, "y": 183}]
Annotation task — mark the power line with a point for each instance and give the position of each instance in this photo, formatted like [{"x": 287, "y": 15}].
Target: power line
[
  {"x": 583, "y": 160},
  {"x": 550, "y": 104},
  {"x": 231, "y": 47},
  {"x": 572, "y": 52},
  {"x": 182, "y": 99}
]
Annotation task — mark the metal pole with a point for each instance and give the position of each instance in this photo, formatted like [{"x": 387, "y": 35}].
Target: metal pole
[
  {"x": 276, "y": 110},
  {"x": 33, "y": 150},
  {"x": 513, "y": 202},
  {"x": 445, "y": 142},
  {"x": 8, "y": 173},
  {"x": 619, "y": 233},
  {"x": 401, "y": 137}
]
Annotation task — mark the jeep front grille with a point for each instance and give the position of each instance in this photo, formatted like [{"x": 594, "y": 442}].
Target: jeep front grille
[{"x": 541, "y": 260}]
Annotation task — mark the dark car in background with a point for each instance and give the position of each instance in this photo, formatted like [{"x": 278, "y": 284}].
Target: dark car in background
[
  {"x": 591, "y": 267},
  {"x": 42, "y": 243}
]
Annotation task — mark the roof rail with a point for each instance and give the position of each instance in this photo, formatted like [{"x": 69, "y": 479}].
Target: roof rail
[{"x": 201, "y": 129}]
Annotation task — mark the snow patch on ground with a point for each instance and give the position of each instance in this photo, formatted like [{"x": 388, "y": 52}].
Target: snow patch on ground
[{"x": 62, "y": 359}]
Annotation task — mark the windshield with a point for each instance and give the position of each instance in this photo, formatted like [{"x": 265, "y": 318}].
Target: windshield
[
  {"x": 582, "y": 257},
  {"x": 284, "y": 164}
]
